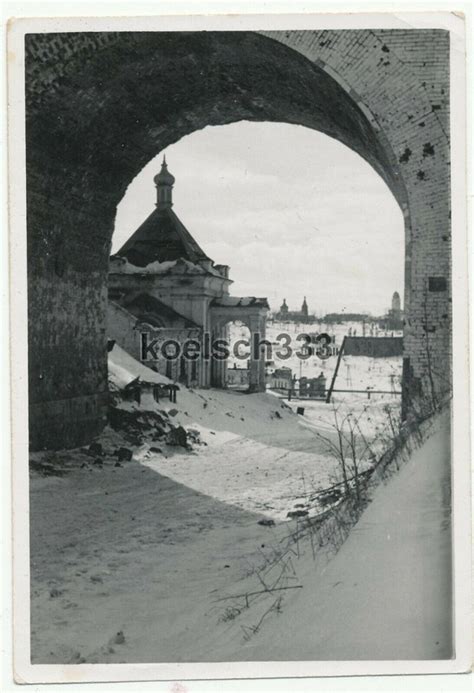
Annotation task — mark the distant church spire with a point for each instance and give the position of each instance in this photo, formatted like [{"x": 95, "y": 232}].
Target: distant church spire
[
  {"x": 304, "y": 307},
  {"x": 164, "y": 182}
]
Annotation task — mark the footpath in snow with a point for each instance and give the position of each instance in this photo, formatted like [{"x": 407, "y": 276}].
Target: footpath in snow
[
  {"x": 141, "y": 547},
  {"x": 134, "y": 560}
]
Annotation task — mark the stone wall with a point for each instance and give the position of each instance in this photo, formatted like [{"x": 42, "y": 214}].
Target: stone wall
[{"x": 101, "y": 105}]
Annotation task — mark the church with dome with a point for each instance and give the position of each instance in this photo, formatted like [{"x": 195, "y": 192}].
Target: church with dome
[
  {"x": 297, "y": 316},
  {"x": 164, "y": 289}
]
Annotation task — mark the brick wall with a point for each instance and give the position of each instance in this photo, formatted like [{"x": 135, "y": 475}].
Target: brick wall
[{"x": 100, "y": 106}]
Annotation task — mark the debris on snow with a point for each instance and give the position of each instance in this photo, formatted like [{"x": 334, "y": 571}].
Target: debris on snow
[
  {"x": 124, "y": 454},
  {"x": 95, "y": 449},
  {"x": 177, "y": 436}
]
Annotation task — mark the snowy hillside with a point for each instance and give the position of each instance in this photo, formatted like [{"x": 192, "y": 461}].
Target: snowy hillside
[
  {"x": 138, "y": 542},
  {"x": 387, "y": 592}
]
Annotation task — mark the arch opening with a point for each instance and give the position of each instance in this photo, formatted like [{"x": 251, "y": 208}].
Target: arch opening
[
  {"x": 284, "y": 224},
  {"x": 150, "y": 91},
  {"x": 233, "y": 373}
]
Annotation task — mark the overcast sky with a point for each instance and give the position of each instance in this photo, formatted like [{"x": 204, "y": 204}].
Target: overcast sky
[{"x": 292, "y": 211}]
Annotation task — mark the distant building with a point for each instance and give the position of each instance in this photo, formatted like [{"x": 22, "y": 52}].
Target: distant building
[
  {"x": 313, "y": 387},
  {"x": 339, "y": 318},
  {"x": 299, "y": 316},
  {"x": 393, "y": 320},
  {"x": 396, "y": 304},
  {"x": 163, "y": 284},
  {"x": 280, "y": 379}
]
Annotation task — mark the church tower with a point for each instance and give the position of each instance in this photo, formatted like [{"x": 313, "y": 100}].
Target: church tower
[
  {"x": 162, "y": 236},
  {"x": 284, "y": 307},
  {"x": 164, "y": 182},
  {"x": 304, "y": 308},
  {"x": 396, "y": 303}
]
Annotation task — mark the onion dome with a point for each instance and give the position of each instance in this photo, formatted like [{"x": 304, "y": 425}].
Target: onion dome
[
  {"x": 164, "y": 177},
  {"x": 164, "y": 182}
]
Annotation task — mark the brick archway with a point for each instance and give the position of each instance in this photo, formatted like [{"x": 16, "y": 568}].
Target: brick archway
[{"x": 100, "y": 106}]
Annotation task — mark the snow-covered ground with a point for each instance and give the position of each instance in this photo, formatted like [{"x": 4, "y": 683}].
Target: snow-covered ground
[
  {"x": 117, "y": 548},
  {"x": 130, "y": 565},
  {"x": 387, "y": 592},
  {"x": 134, "y": 561},
  {"x": 259, "y": 456},
  {"x": 355, "y": 372}
]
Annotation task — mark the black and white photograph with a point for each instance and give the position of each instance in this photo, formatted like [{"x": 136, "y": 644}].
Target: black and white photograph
[{"x": 239, "y": 416}]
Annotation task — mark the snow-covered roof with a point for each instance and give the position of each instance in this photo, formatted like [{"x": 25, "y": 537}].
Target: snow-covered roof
[
  {"x": 121, "y": 265},
  {"x": 240, "y": 301},
  {"x": 124, "y": 369}
]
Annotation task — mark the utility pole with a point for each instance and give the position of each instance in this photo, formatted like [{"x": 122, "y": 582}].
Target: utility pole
[{"x": 333, "y": 381}]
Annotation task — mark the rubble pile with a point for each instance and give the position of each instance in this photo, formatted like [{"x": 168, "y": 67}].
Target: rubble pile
[
  {"x": 140, "y": 427},
  {"x": 129, "y": 432}
]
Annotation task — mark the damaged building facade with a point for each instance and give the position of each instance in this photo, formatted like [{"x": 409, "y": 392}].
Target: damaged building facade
[{"x": 169, "y": 302}]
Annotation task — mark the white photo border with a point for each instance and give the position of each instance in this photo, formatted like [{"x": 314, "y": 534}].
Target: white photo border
[{"x": 25, "y": 672}]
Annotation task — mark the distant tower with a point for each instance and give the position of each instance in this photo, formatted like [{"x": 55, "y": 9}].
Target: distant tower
[
  {"x": 164, "y": 182},
  {"x": 396, "y": 303},
  {"x": 284, "y": 307},
  {"x": 304, "y": 308},
  {"x": 394, "y": 317}
]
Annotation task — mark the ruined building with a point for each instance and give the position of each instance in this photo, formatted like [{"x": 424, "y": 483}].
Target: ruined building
[{"x": 163, "y": 288}]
